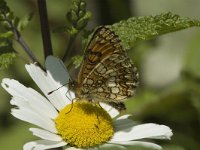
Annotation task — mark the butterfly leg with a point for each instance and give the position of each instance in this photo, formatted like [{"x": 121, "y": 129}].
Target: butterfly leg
[
  {"x": 72, "y": 104},
  {"x": 67, "y": 95},
  {"x": 97, "y": 104},
  {"x": 119, "y": 106}
]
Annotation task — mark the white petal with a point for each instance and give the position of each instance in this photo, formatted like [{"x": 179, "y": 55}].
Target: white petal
[
  {"x": 139, "y": 143},
  {"x": 112, "y": 111},
  {"x": 148, "y": 130},
  {"x": 24, "y": 104},
  {"x": 123, "y": 122},
  {"x": 46, "y": 135},
  {"x": 104, "y": 146},
  {"x": 72, "y": 148},
  {"x": 112, "y": 145},
  {"x": 34, "y": 118},
  {"x": 123, "y": 117},
  {"x": 29, "y": 98},
  {"x": 42, "y": 145},
  {"x": 19, "y": 101},
  {"x": 58, "y": 72},
  {"x": 47, "y": 84}
]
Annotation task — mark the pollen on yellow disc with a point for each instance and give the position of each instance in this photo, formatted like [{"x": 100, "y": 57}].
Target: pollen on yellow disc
[{"x": 85, "y": 125}]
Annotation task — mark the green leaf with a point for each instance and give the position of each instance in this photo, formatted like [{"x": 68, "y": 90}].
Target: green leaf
[
  {"x": 6, "y": 46},
  {"x": 7, "y": 53},
  {"x": 138, "y": 29},
  {"x": 73, "y": 17},
  {"x": 3, "y": 7},
  {"x": 7, "y": 34},
  {"x": 11, "y": 22},
  {"x": 10, "y": 15},
  {"x": 77, "y": 60},
  {"x": 82, "y": 22},
  {"x": 24, "y": 21},
  {"x": 6, "y": 59},
  {"x": 77, "y": 17}
]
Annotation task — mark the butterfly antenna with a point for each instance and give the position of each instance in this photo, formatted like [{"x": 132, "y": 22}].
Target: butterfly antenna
[{"x": 56, "y": 89}]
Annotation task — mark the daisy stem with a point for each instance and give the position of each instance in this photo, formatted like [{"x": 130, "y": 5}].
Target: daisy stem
[{"x": 46, "y": 37}]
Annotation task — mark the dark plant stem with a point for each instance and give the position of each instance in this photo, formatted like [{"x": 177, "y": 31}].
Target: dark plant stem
[
  {"x": 23, "y": 44},
  {"x": 69, "y": 47},
  {"x": 47, "y": 46},
  {"x": 21, "y": 41}
]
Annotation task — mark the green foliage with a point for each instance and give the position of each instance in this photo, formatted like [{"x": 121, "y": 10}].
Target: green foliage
[
  {"x": 7, "y": 53},
  {"x": 77, "y": 60},
  {"x": 11, "y": 26},
  {"x": 24, "y": 21},
  {"x": 3, "y": 7},
  {"x": 5, "y": 35},
  {"x": 77, "y": 18},
  {"x": 6, "y": 59},
  {"x": 7, "y": 17},
  {"x": 138, "y": 29},
  {"x": 10, "y": 21}
]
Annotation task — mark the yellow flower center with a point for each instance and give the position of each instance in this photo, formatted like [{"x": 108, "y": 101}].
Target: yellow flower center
[{"x": 84, "y": 125}]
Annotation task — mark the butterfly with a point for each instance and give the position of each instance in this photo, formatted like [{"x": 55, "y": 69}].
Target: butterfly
[{"x": 106, "y": 74}]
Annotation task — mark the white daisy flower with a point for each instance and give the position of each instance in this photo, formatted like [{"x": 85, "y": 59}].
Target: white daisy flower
[{"x": 81, "y": 125}]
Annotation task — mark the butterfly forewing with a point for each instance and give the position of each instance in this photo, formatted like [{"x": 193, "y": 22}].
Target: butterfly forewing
[
  {"x": 106, "y": 74},
  {"x": 101, "y": 45}
]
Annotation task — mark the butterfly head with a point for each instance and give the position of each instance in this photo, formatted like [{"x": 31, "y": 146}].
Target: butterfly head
[{"x": 80, "y": 92}]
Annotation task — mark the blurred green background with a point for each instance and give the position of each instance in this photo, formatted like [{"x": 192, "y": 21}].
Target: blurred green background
[{"x": 169, "y": 66}]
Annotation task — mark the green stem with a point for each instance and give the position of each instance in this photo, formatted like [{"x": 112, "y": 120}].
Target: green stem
[{"x": 69, "y": 47}]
